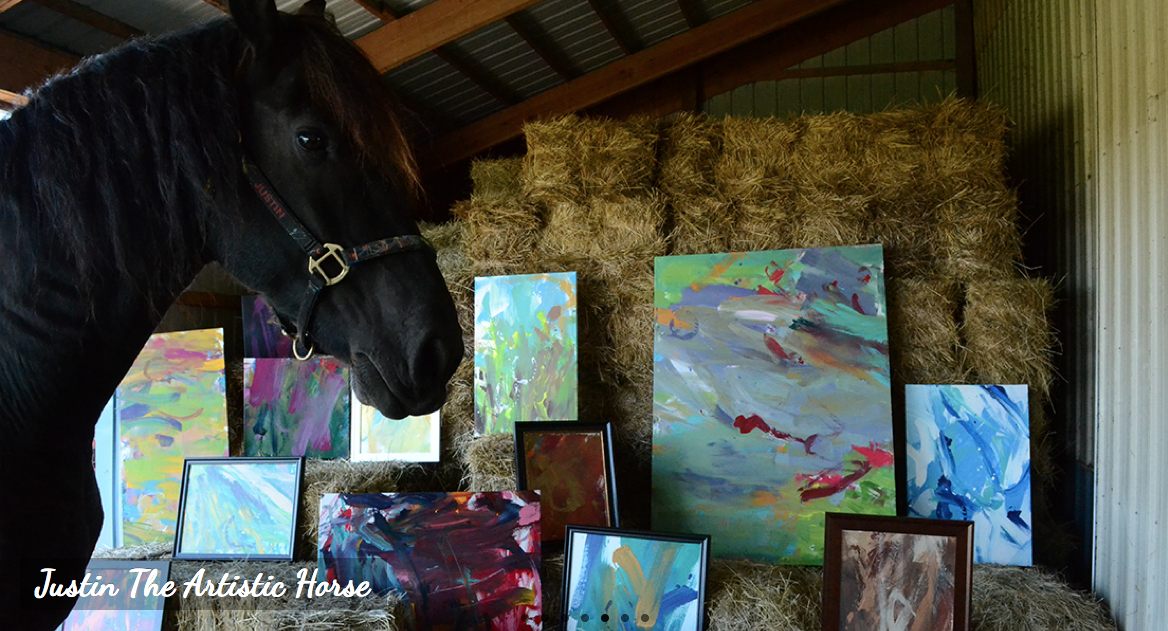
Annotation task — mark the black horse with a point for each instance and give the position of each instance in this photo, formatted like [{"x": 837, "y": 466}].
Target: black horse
[{"x": 258, "y": 142}]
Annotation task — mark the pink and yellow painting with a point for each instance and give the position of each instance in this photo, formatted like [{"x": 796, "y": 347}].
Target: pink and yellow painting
[
  {"x": 463, "y": 561},
  {"x": 170, "y": 406},
  {"x": 262, "y": 336},
  {"x": 771, "y": 398},
  {"x": 130, "y": 608},
  {"x": 295, "y": 408}
]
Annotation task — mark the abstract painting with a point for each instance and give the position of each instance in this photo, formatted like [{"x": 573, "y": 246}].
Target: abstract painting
[
  {"x": 464, "y": 561},
  {"x": 525, "y": 350},
  {"x": 570, "y": 464},
  {"x": 896, "y": 573},
  {"x": 968, "y": 451},
  {"x": 130, "y": 609},
  {"x": 625, "y": 579},
  {"x": 295, "y": 408},
  {"x": 262, "y": 336},
  {"x": 771, "y": 397},
  {"x": 377, "y": 437},
  {"x": 238, "y": 508},
  {"x": 170, "y": 406}
]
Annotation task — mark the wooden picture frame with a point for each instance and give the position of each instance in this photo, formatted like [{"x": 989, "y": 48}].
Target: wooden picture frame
[
  {"x": 570, "y": 463},
  {"x": 896, "y": 565},
  {"x": 211, "y": 522}
]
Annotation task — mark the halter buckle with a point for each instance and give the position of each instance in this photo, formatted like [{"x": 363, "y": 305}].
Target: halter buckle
[{"x": 332, "y": 251}]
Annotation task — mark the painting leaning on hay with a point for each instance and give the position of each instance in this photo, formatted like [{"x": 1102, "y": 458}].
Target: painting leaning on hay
[
  {"x": 525, "y": 350},
  {"x": 771, "y": 397}
]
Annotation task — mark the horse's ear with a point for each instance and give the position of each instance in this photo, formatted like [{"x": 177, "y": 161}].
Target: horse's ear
[
  {"x": 313, "y": 8},
  {"x": 257, "y": 20}
]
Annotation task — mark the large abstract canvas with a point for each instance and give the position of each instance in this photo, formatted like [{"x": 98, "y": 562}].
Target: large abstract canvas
[
  {"x": 170, "y": 406},
  {"x": 131, "y": 608},
  {"x": 295, "y": 408},
  {"x": 238, "y": 508},
  {"x": 771, "y": 397},
  {"x": 377, "y": 437},
  {"x": 968, "y": 450},
  {"x": 620, "y": 579},
  {"x": 525, "y": 350},
  {"x": 262, "y": 336},
  {"x": 464, "y": 561}
]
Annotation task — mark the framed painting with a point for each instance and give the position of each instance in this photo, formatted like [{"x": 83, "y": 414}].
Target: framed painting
[
  {"x": 525, "y": 350},
  {"x": 570, "y": 464},
  {"x": 238, "y": 508},
  {"x": 375, "y": 436},
  {"x": 461, "y": 560},
  {"x": 295, "y": 408},
  {"x": 171, "y": 405},
  {"x": 883, "y": 572},
  {"x": 130, "y": 608},
  {"x": 771, "y": 397},
  {"x": 628, "y": 579},
  {"x": 968, "y": 452}
]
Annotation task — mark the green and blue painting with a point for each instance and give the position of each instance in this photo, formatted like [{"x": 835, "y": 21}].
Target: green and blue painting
[
  {"x": 525, "y": 350},
  {"x": 771, "y": 397}
]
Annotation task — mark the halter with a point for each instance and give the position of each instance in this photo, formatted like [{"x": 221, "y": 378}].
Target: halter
[{"x": 320, "y": 254}]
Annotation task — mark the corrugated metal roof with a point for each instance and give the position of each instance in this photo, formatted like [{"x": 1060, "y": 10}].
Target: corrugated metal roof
[
  {"x": 43, "y": 25},
  {"x": 577, "y": 31},
  {"x": 653, "y": 21},
  {"x": 500, "y": 51}
]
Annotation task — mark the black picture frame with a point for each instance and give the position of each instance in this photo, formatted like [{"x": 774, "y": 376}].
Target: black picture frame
[
  {"x": 615, "y": 612},
  {"x": 553, "y": 540},
  {"x": 183, "y": 551},
  {"x": 850, "y": 536}
]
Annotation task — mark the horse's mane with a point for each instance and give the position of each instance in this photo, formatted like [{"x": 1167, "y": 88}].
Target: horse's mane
[{"x": 122, "y": 162}]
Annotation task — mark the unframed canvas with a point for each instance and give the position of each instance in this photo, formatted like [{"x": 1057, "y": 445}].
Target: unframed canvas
[
  {"x": 295, "y": 408},
  {"x": 377, "y": 437},
  {"x": 129, "y": 609},
  {"x": 771, "y": 397}
]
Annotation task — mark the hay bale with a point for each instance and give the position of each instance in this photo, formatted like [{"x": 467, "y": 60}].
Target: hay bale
[
  {"x": 1007, "y": 332},
  {"x": 458, "y": 411},
  {"x": 690, "y": 145},
  {"x": 922, "y": 331},
  {"x": 607, "y": 232},
  {"x": 265, "y": 613},
  {"x": 344, "y": 476},
  {"x": 490, "y": 463},
  {"x": 497, "y": 180},
  {"x": 757, "y": 164},
  {"x": 832, "y": 218},
  {"x": 498, "y": 238},
  {"x": 702, "y": 225},
  {"x": 143, "y": 552},
  {"x": 978, "y": 235},
  {"x": 1030, "y": 599},
  {"x": 551, "y": 575},
  {"x": 772, "y": 225},
  {"x": 751, "y": 595},
  {"x": 572, "y": 159}
]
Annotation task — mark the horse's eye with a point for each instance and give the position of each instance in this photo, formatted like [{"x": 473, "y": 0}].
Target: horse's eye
[{"x": 310, "y": 140}]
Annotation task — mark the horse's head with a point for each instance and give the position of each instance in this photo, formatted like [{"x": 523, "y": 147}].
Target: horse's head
[{"x": 316, "y": 120}]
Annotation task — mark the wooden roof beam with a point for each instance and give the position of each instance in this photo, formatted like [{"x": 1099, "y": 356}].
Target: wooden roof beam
[
  {"x": 552, "y": 56},
  {"x": 621, "y": 33},
  {"x": 692, "y": 11},
  {"x": 431, "y": 26},
  {"x": 26, "y": 64},
  {"x": 669, "y": 56}
]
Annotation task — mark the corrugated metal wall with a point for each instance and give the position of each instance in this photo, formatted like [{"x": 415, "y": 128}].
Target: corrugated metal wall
[
  {"x": 929, "y": 38},
  {"x": 1086, "y": 83}
]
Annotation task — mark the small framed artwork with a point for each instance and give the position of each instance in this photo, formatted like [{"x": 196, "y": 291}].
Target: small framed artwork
[
  {"x": 883, "y": 572},
  {"x": 238, "y": 508},
  {"x": 119, "y": 598},
  {"x": 632, "y": 579},
  {"x": 570, "y": 464}
]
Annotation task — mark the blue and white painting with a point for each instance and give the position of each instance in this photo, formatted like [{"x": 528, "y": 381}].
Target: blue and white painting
[{"x": 969, "y": 459}]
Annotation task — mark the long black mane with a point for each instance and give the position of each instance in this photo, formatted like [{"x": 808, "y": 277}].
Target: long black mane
[{"x": 127, "y": 152}]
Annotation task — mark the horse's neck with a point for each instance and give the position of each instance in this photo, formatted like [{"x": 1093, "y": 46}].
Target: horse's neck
[{"x": 64, "y": 351}]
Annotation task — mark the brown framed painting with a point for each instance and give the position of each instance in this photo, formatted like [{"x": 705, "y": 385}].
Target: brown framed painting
[
  {"x": 570, "y": 464},
  {"x": 883, "y": 572}
]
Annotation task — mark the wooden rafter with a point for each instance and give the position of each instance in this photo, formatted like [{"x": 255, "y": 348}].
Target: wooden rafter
[
  {"x": 9, "y": 100},
  {"x": 25, "y": 63},
  {"x": 88, "y": 16},
  {"x": 692, "y": 12},
  {"x": 435, "y": 24},
  {"x": 8, "y": 4},
  {"x": 616, "y": 27},
  {"x": 671, "y": 55}
]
